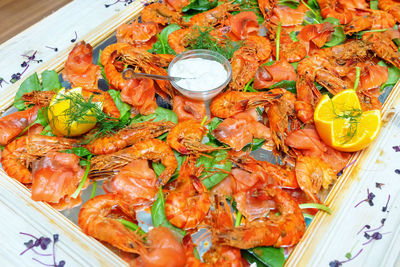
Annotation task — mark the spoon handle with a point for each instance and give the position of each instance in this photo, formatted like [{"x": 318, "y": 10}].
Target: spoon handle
[{"x": 129, "y": 74}]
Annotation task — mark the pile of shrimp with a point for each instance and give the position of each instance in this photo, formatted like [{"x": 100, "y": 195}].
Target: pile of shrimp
[{"x": 277, "y": 44}]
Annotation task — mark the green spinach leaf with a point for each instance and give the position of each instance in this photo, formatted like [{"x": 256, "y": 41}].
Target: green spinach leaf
[
  {"x": 159, "y": 115},
  {"x": 158, "y": 215},
  {"x": 200, "y": 5},
  {"x": 216, "y": 167},
  {"x": 162, "y": 46},
  {"x": 293, "y": 36},
  {"x": 103, "y": 73},
  {"x": 394, "y": 75},
  {"x": 374, "y": 4},
  {"x": 50, "y": 80},
  {"x": 289, "y": 3},
  {"x": 338, "y": 37},
  {"x": 30, "y": 84},
  {"x": 255, "y": 144},
  {"x": 288, "y": 85},
  {"x": 270, "y": 256},
  {"x": 159, "y": 168}
]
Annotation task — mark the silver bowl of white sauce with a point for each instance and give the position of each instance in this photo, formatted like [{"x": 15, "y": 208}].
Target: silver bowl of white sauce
[{"x": 207, "y": 73}]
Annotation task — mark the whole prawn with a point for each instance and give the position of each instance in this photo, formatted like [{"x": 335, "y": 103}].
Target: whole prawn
[
  {"x": 161, "y": 14},
  {"x": 186, "y": 138},
  {"x": 311, "y": 174},
  {"x": 233, "y": 102},
  {"x": 150, "y": 149},
  {"x": 215, "y": 16},
  {"x": 282, "y": 119},
  {"x": 127, "y": 136},
  {"x": 96, "y": 219},
  {"x": 17, "y": 156},
  {"x": 390, "y": 6},
  {"x": 283, "y": 230},
  {"x": 188, "y": 204}
]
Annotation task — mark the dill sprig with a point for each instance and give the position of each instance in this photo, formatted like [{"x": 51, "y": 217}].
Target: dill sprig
[
  {"x": 82, "y": 110},
  {"x": 353, "y": 117},
  {"x": 202, "y": 39}
]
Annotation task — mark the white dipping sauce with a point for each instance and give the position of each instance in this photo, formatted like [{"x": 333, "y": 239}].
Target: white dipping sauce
[{"x": 207, "y": 74}]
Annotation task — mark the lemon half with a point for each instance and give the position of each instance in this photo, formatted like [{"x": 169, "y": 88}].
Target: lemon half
[{"x": 59, "y": 114}]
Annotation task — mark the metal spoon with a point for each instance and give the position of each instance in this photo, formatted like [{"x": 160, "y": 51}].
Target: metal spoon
[{"x": 130, "y": 73}]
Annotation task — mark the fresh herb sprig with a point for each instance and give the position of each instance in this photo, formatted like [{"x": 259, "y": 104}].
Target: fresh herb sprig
[
  {"x": 81, "y": 110},
  {"x": 202, "y": 39}
]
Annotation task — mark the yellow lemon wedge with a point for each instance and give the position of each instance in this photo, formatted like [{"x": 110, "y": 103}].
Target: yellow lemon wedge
[
  {"x": 342, "y": 124},
  {"x": 65, "y": 116}
]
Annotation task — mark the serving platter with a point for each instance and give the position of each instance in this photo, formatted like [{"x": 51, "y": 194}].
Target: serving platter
[{"x": 325, "y": 237}]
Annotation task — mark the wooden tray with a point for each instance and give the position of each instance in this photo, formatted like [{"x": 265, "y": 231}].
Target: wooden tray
[{"x": 323, "y": 240}]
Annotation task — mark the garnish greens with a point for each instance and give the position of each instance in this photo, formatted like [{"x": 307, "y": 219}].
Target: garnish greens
[
  {"x": 50, "y": 82},
  {"x": 353, "y": 116},
  {"x": 200, "y": 5},
  {"x": 315, "y": 206},
  {"x": 80, "y": 109},
  {"x": 202, "y": 39},
  {"x": 159, "y": 218},
  {"x": 162, "y": 46},
  {"x": 249, "y": 5}
]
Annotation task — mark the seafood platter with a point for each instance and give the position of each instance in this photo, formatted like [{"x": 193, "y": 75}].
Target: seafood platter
[{"x": 215, "y": 133}]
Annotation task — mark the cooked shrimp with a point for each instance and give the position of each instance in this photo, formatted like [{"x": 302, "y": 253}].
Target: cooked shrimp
[
  {"x": 246, "y": 59},
  {"x": 281, "y": 115},
  {"x": 161, "y": 14},
  {"x": 151, "y": 149},
  {"x": 215, "y": 16},
  {"x": 79, "y": 69},
  {"x": 38, "y": 98},
  {"x": 188, "y": 204},
  {"x": 114, "y": 77},
  {"x": 14, "y": 124},
  {"x": 230, "y": 103},
  {"x": 188, "y": 109},
  {"x": 281, "y": 230},
  {"x": 288, "y": 49},
  {"x": 311, "y": 174},
  {"x": 382, "y": 45},
  {"x": 186, "y": 138},
  {"x": 55, "y": 177},
  {"x": 96, "y": 219},
  {"x": 136, "y": 184},
  {"x": 392, "y": 7},
  {"x": 332, "y": 8},
  {"x": 304, "y": 111},
  {"x": 179, "y": 40},
  {"x": 17, "y": 156},
  {"x": 129, "y": 135},
  {"x": 370, "y": 19},
  {"x": 106, "y": 53}
]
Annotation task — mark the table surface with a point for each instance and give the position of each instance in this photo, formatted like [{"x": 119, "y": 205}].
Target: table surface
[
  {"x": 23, "y": 13},
  {"x": 332, "y": 241}
]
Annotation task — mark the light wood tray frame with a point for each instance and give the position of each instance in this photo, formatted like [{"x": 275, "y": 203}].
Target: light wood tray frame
[{"x": 95, "y": 37}]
